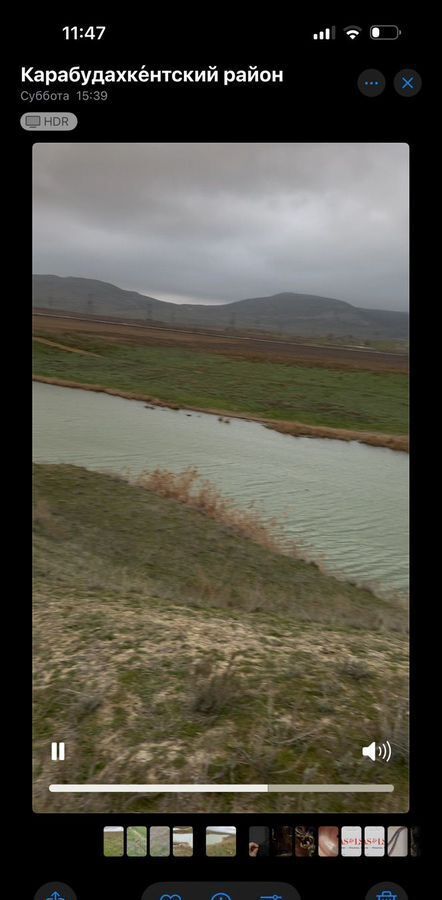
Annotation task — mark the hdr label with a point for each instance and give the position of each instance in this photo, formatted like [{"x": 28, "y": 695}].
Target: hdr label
[{"x": 45, "y": 121}]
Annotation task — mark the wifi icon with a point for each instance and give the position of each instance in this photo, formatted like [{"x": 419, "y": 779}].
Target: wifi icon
[{"x": 352, "y": 31}]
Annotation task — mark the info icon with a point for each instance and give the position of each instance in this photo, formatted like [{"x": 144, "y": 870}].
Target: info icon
[{"x": 371, "y": 82}]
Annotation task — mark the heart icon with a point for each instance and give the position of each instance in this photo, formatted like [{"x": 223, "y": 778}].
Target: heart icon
[{"x": 170, "y": 897}]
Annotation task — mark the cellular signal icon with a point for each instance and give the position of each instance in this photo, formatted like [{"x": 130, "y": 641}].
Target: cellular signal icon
[
  {"x": 328, "y": 34},
  {"x": 376, "y": 751}
]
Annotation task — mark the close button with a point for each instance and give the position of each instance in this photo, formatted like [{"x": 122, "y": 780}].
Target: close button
[
  {"x": 49, "y": 121},
  {"x": 407, "y": 83}
]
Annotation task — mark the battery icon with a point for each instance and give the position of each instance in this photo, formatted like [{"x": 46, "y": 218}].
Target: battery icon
[{"x": 384, "y": 32}]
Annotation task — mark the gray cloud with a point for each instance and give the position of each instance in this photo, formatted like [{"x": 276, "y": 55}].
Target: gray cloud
[{"x": 221, "y": 222}]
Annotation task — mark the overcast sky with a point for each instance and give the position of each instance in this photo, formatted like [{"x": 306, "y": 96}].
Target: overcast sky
[{"x": 220, "y": 222}]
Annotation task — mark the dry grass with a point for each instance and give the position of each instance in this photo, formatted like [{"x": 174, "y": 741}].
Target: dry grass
[
  {"x": 354, "y": 668},
  {"x": 394, "y": 723},
  {"x": 43, "y": 519},
  {"x": 215, "y": 689},
  {"x": 188, "y": 487},
  {"x": 276, "y": 734},
  {"x": 398, "y": 442},
  {"x": 41, "y": 513},
  {"x": 48, "y": 343}
]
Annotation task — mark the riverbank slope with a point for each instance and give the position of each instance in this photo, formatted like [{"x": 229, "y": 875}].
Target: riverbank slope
[{"x": 170, "y": 647}]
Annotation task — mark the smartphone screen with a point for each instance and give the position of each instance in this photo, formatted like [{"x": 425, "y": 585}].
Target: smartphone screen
[{"x": 225, "y": 265}]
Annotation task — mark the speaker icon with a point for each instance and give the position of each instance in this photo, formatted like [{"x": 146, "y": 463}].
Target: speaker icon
[{"x": 376, "y": 751}]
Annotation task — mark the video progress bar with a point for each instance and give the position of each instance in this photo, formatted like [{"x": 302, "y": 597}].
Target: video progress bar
[{"x": 221, "y": 788}]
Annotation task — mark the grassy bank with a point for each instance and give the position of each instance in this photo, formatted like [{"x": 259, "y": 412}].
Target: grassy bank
[
  {"x": 171, "y": 647},
  {"x": 286, "y": 395},
  {"x": 224, "y": 847}
]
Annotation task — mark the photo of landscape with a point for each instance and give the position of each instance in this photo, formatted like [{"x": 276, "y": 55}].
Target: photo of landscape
[{"x": 220, "y": 523}]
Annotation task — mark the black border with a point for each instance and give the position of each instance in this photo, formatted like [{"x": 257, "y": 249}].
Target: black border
[{"x": 317, "y": 101}]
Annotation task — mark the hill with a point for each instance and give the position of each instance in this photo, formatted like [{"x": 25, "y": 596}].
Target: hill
[{"x": 287, "y": 313}]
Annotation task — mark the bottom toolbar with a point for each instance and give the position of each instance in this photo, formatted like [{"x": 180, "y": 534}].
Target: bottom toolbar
[{"x": 206, "y": 890}]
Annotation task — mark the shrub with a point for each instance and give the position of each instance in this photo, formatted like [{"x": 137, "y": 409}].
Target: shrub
[{"x": 190, "y": 488}]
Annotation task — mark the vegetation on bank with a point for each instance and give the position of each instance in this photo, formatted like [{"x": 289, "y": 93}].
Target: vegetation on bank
[
  {"x": 224, "y": 847},
  {"x": 278, "y": 392},
  {"x": 171, "y": 646}
]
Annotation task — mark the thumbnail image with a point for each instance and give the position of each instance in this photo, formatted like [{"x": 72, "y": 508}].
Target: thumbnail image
[
  {"x": 159, "y": 840},
  {"x": 374, "y": 840},
  {"x": 328, "y": 840},
  {"x": 182, "y": 841},
  {"x": 113, "y": 840},
  {"x": 259, "y": 840},
  {"x": 221, "y": 840},
  {"x": 305, "y": 841},
  {"x": 136, "y": 840},
  {"x": 415, "y": 841},
  {"x": 220, "y": 413},
  {"x": 281, "y": 840},
  {"x": 351, "y": 840},
  {"x": 397, "y": 840}
]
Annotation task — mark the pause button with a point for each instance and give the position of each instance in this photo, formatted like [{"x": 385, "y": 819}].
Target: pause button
[{"x": 58, "y": 751}]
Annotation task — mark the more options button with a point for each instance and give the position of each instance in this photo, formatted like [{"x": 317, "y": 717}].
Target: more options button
[
  {"x": 48, "y": 121},
  {"x": 371, "y": 82}
]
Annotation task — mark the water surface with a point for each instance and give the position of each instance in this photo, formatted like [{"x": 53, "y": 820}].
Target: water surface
[{"x": 347, "y": 503}]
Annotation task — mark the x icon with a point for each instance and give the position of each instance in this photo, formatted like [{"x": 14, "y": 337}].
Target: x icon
[{"x": 407, "y": 82}]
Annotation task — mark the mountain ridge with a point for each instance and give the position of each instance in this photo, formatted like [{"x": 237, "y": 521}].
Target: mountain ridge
[{"x": 285, "y": 312}]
